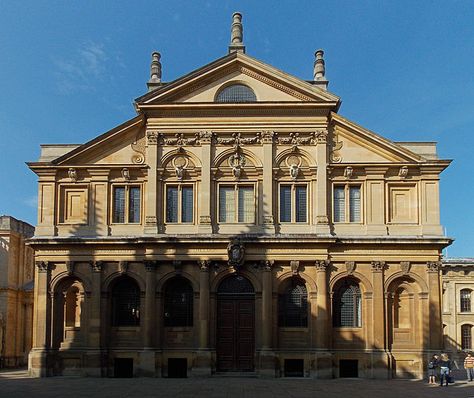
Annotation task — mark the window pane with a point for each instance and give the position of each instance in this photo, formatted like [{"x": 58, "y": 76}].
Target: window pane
[
  {"x": 348, "y": 306},
  {"x": 466, "y": 337},
  {"x": 354, "y": 204},
  {"x": 119, "y": 205},
  {"x": 125, "y": 303},
  {"x": 301, "y": 203},
  {"x": 171, "y": 204},
  {"x": 236, "y": 93},
  {"x": 293, "y": 305},
  {"x": 178, "y": 305},
  {"x": 134, "y": 204},
  {"x": 246, "y": 205},
  {"x": 226, "y": 204},
  {"x": 339, "y": 203},
  {"x": 187, "y": 204},
  {"x": 465, "y": 300},
  {"x": 285, "y": 203}
]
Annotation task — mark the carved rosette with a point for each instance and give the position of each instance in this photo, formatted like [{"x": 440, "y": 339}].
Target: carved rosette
[
  {"x": 433, "y": 266},
  {"x": 378, "y": 266},
  {"x": 43, "y": 266}
]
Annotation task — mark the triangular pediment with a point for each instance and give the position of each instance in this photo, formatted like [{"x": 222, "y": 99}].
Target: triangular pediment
[
  {"x": 123, "y": 145},
  {"x": 268, "y": 83},
  {"x": 355, "y": 144}
]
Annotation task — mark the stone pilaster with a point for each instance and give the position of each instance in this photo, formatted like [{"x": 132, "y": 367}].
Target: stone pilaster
[
  {"x": 434, "y": 300},
  {"x": 322, "y": 299},
  {"x": 151, "y": 202},
  {"x": 321, "y": 214},
  {"x": 267, "y": 202},
  {"x": 38, "y": 363},
  {"x": 205, "y": 220},
  {"x": 147, "y": 356},
  {"x": 267, "y": 357},
  {"x": 203, "y": 360}
]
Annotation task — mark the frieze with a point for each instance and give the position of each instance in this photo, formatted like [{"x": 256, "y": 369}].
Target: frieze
[
  {"x": 180, "y": 139},
  {"x": 237, "y": 140}
]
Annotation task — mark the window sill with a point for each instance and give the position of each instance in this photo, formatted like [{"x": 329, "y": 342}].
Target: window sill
[{"x": 348, "y": 328}]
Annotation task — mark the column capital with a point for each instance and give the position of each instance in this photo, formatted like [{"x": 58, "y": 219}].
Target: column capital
[
  {"x": 322, "y": 265},
  {"x": 152, "y": 137},
  {"x": 96, "y": 266},
  {"x": 267, "y": 265},
  {"x": 43, "y": 266},
  {"x": 433, "y": 266},
  {"x": 378, "y": 266},
  {"x": 204, "y": 265},
  {"x": 150, "y": 265}
]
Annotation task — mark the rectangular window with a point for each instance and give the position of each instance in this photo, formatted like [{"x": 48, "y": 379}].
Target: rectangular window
[
  {"x": 179, "y": 204},
  {"x": 347, "y": 203},
  {"x": 293, "y": 203},
  {"x": 236, "y": 204},
  {"x": 126, "y": 204}
]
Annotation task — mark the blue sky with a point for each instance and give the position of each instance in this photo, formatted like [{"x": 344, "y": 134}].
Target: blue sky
[{"x": 69, "y": 71}]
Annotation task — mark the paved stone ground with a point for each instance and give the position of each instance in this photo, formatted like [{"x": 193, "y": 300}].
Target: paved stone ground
[{"x": 15, "y": 384}]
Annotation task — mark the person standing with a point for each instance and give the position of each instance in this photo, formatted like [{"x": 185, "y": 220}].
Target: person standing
[
  {"x": 444, "y": 364},
  {"x": 469, "y": 366},
  {"x": 432, "y": 369}
]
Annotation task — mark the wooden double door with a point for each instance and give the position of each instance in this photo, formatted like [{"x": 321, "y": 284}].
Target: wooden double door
[{"x": 235, "y": 331}]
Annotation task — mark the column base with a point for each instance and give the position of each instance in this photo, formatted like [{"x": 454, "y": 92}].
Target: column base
[
  {"x": 146, "y": 366},
  {"x": 266, "y": 361},
  {"x": 39, "y": 363},
  {"x": 324, "y": 366},
  {"x": 202, "y": 364}
]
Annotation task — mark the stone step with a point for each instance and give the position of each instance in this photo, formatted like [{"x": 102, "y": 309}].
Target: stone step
[{"x": 236, "y": 374}]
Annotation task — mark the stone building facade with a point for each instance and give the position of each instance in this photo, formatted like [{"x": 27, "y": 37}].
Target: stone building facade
[
  {"x": 16, "y": 292},
  {"x": 238, "y": 224},
  {"x": 458, "y": 307}
]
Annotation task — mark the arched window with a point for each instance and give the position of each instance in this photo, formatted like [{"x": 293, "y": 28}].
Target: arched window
[
  {"x": 178, "y": 303},
  {"x": 466, "y": 337},
  {"x": 293, "y": 305},
  {"x": 401, "y": 309},
  {"x": 236, "y": 93},
  {"x": 465, "y": 300},
  {"x": 125, "y": 303},
  {"x": 72, "y": 307},
  {"x": 347, "y": 308}
]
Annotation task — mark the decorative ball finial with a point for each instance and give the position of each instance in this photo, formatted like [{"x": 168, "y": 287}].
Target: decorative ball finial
[
  {"x": 236, "y": 34},
  {"x": 319, "y": 68}
]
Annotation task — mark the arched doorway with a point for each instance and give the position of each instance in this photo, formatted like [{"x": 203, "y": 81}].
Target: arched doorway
[{"x": 235, "y": 325}]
